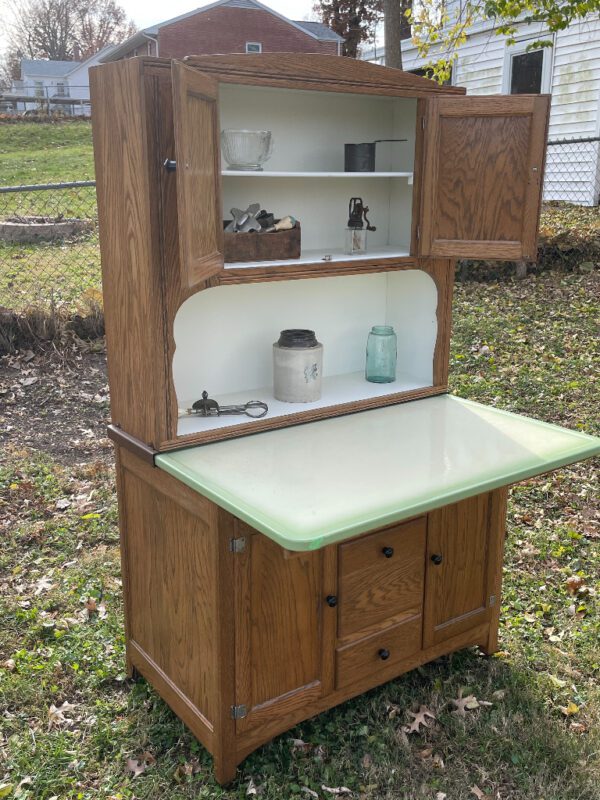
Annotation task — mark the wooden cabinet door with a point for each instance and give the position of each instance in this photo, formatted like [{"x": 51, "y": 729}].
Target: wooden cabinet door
[
  {"x": 279, "y": 654},
  {"x": 483, "y": 160},
  {"x": 464, "y": 566},
  {"x": 197, "y": 149}
]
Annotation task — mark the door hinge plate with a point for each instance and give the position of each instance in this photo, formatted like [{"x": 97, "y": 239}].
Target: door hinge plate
[
  {"x": 237, "y": 545},
  {"x": 238, "y": 712},
  {"x": 492, "y": 600}
]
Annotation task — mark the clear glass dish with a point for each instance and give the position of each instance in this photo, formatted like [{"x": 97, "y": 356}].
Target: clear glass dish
[{"x": 246, "y": 150}]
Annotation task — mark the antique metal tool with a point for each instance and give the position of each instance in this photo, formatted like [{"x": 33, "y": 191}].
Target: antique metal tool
[
  {"x": 244, "y": 221},
  {"x": 206, "y": 407}
]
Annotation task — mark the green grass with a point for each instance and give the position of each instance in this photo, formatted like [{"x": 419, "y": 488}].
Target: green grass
[
  {"x": 45, "y": 152},
  {"x": 543, "y": 347}
]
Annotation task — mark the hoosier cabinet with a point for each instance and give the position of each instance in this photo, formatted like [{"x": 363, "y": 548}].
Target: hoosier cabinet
[{"x": 276, "y": 565}]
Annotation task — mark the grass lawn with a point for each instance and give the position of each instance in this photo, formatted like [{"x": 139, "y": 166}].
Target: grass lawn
[
  {"x": 34, "y": 152},
  {"x": 70, "y": 721}
]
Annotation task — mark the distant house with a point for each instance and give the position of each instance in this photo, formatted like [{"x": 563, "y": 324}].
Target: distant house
[
  {"x": 53, "y": 84},
  {"x": 229, "y": 26},
  {"x": 569, "y": 71}
]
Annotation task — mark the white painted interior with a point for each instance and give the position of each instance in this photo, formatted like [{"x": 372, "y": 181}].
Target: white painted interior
[
  {"x": 309, "y": 132},
  {"x": 224, "y": 338}
]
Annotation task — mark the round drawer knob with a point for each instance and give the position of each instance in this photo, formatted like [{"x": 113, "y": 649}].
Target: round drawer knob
[
  {"x": 437, "y": 559},
  {"x": 388, "y": 552},
  {"x": 331, "y": 600},
  {"x": 384, "y": 654}
]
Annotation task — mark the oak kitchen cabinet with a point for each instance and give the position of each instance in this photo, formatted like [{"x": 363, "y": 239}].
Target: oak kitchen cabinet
[{"x": 270, "y": 576}]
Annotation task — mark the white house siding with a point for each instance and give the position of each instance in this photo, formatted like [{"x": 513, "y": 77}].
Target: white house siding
[{"x": 572, "y": 171}]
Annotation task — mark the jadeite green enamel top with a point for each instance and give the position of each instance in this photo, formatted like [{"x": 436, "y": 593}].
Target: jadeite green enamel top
[{"x": 310, "y": 485}]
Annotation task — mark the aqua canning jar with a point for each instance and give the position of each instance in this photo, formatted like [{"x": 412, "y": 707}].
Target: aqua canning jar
[{"x": 382, "y": 352}]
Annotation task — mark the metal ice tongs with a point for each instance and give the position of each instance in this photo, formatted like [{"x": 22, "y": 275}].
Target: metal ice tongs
[{"x": 210, "y": 408}]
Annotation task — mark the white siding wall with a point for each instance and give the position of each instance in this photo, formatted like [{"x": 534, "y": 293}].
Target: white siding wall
[{"x": 572, "y": 172}]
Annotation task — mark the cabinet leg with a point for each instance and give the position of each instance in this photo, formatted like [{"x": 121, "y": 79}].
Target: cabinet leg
[{"x": 225, "y": 769}]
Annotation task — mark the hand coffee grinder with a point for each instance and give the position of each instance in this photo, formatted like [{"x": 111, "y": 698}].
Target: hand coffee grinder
[{"x": 356, "y": 232}]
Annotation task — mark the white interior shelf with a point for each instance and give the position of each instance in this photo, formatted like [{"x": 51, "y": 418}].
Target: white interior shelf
[
  {"x": 327, "y": 256},
  {"x": 239, "y": 173},
  {"x": 336, "y": 390}
]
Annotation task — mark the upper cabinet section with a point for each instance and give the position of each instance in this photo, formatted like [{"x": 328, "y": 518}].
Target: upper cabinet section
[
  {"x": 482, "y": 176},
  {"x": 196, "y": 128}
]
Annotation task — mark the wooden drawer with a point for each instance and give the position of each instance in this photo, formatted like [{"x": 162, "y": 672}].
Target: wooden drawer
[
  {"x": 378, "y": 653},
  {"x": 381, "y": 575}
]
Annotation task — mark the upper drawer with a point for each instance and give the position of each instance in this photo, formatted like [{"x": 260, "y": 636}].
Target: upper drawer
[{"x": 381, "y": 575}]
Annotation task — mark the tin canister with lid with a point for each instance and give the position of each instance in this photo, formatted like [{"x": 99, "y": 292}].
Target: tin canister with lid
[{"x": 297, "y": 366}]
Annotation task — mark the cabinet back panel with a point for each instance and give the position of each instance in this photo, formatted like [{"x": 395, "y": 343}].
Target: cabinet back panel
[
  {"x": 310, "y": 128},
  {"x": 224, "y": 335}
]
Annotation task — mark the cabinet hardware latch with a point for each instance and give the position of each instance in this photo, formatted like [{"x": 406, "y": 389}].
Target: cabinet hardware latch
[
  {"x": 492, "y": 600},
  {"x": 422, "y": 123},
  {"x": 170, "y": 164},
  {"x": 238, "y": 712},
  {"x": 418, "y": 231},
  {"x": 237, "y": 545}
]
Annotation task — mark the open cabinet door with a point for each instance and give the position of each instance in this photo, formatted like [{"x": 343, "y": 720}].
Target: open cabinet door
[
  {"x": 196, "y": 124},
  {"x": 483, "y": 161}
]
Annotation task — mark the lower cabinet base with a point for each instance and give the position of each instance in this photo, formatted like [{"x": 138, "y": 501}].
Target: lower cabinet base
[{"x": 244, "y": 639}]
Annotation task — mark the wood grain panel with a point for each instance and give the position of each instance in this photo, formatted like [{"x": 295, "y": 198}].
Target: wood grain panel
[
  {"x": 315, "y": 71},
  {"x": 278, "y": 630},
  {"x": 198, "y": 150},
  {"x": 130, "y": 251},
  {"x": 482, "y": 183},
  {"x": 373, "y": 587},
  {"x": 362, "y": 660},
  {"x": 172, "y": 588},
  {"x": 456, "y": 593}
]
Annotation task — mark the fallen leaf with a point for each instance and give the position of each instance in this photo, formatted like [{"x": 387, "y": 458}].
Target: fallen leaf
[
  {"x": 477, "y": 792},
  {"x": 10, "y": 664},
  {"x": 29, "y": 381},
  {"x": 251, "y": 788},
  {"x": 420, "y": 718},
  {"x": 336, "y": 789},
  {"x": 570, "y": 710},
  {"x": 43, "y": 585},
  {"x": 557, "y": 682},
  {"x": 137, "y": 767},
  {"x": 298, "y": 745},
  {"x": 62, "y": 503},
  {"x": 6, "y": 789},
  {"x": 56, "y": 715},
  {"x": 367, "y": 761},
  {"x": 574, "y": 583},
  {"x": 499, "y": 694},
  {"x": 437, "y": 762},
  {"x": 309, "y": 792},
  {"x": 464, "y": 703},
  {"x": 441, "y": 796},
  {"x": 426, "y": 752},
  {"x": 578, "y": 727}
]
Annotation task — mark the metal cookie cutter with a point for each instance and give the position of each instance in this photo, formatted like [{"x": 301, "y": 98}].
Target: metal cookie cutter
[{"x": 210, "y": 408}]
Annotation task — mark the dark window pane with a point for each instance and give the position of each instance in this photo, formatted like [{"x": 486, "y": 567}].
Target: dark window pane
[{"x": 526, "y": 73}]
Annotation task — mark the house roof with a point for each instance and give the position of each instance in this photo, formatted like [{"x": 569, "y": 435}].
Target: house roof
[
  {"x": 47, "y": 69},
  {"x": 317, "y": 30}
]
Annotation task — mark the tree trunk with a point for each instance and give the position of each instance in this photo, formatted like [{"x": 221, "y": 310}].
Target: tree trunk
[{"x": 392, "y": 12}]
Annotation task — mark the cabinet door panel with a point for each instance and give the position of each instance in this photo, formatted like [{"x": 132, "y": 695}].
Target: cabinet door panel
[
  {"x": 461, "y": 568},
  {"x": 278, "y": 629},
  {"x": 197, "y": 149},
  {"x": 482, "y": 176}
]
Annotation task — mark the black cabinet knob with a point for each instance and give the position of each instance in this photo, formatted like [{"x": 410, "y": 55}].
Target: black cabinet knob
[
  {"x": 383, "y": 654},
  {"x": 331, "y": 600},
  {"x": 437, "y": 559},
  {"x": 388, "y": 552}
]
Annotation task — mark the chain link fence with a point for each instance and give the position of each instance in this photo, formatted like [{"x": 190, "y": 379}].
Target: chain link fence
[
  {"x": 49, "y": 252},
  {"x": 573, "y": 171}
]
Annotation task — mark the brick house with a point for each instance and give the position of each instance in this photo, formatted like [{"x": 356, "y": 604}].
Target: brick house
[{"x": 229, "y": 26}]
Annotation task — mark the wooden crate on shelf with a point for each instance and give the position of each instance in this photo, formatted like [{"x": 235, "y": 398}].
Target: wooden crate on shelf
[{"x": 255, "y": 246}]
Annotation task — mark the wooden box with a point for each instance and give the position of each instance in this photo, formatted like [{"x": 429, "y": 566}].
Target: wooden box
[{"x": 275, "y": 246}]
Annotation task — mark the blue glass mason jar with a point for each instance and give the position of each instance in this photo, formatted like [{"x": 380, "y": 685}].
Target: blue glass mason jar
[{"x": 382, "y": 353}]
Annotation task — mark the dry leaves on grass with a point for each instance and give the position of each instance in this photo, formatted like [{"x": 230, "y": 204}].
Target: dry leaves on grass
[
  {"x": 56, "y": 715},
  {"x": 336, "y": 790},
  {"x": 139, "y": 767},
  {"x": 419, "y": 718},
  {"x": 469, "y": 703}
]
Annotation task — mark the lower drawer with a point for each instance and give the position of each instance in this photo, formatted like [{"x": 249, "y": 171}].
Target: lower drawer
[{"x": 375, "y": 654}]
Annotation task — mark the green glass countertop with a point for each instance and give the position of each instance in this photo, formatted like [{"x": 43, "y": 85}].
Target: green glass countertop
[{"x": 310, "y": 485}]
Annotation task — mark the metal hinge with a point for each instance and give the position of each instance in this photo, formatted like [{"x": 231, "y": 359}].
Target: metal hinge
[
  {"x": 492, "y": 600},
  {"x": 238, "y": 712},
  {"x": 170, "y": 164},
  {"x": 237, "y": 545}
]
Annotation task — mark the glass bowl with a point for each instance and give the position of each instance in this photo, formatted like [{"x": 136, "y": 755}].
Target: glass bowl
[{"x": 246, "y": 150}]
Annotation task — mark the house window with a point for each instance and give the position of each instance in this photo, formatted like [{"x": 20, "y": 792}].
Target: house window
[
  {"x": 38, "y": 87},
  {"x": 61, "y": 90},
  {"x": 253, "y": 47},
  {"x": 527, "y": 71}
]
